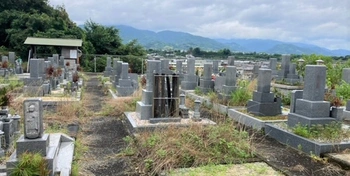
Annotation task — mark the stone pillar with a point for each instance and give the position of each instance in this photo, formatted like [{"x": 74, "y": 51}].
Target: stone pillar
[
  {"x": 315, "y": 82},
  {"x": 179, "y": 66},
  {"x": 190, "y": 79},
  {"x": 230, "y": 82},
  {"x": 12, "y": 58},
  {"x": 35, "y": 68},
  {"x": 61, "y": 62},
  {"x": 124, "y": 71},
  {"x": 206, "y": 83},
  {"x": 346, "y": 75},
  {"x": 165, "y": 66},
  {"x": 124, "y": 88},
  {"x": 196, "y": 111},
  {"x": 273, "y": 64},
  {"x": 144, "y": 108},
  {"x": 285, "y": 66},
  {"x": 182, "y": 99},
  {"x": 55, "y": 59},
  {"x": 231, "y": 76},
  {"x": 215, "y": 66},
  {"x": 231, "y": 60},
  {"x": 118, "y": 71},
  {"x": 191, "y": 66}
]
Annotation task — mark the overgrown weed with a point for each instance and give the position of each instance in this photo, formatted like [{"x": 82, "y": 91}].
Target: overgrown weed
[{"x": 196, "y": 145}]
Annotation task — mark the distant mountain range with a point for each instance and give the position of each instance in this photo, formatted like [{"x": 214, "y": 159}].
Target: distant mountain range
[{"x": 183, "y": 41}]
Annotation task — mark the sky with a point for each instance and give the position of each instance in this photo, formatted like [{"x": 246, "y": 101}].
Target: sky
[{"x": 325, "y": 23}]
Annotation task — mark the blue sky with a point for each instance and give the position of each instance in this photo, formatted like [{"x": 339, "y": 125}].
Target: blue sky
[{"x": 324, "y": 23}]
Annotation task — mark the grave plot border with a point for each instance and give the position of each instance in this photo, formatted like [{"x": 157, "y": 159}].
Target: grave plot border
[{"x": 300, "y": 143}]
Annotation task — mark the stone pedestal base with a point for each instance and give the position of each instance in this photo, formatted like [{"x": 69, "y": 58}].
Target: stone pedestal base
[
  {"x": 294, "y": 119},
  {"x": 144, "y": 110},
  {"x": 185, "y": 85},
  {"x": 264, "y": 109},
  {"x": 312, "y": 109},
  {"x": 124, "y": 91},
  {"x": 189, "y": 82},
  {"x": 206, "y": 86},
  {"x": 39, "y": 145},
  {"x": 346, "y": 115}
]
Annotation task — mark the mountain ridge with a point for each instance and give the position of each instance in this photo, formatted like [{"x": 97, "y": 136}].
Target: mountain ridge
[{"x": 183, "y": 41}]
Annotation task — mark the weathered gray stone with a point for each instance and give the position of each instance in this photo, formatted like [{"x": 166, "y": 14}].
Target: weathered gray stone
[
  {"x": 285, "y": 65},
  {"x": 219, "y": 83},
  {"x": 34, "y": 67},
  {"x": 231, "y": 77},
  {"x": 231, "y": 61},
  {"x": 165, "y": 67},
  {"x": 190, "y": 79},
  {"x": 153, "y": 66},
  {"x": 33, "y": 118},
  {"x": 12, "y": 57},
  {"x": 264, "y": 80},
  {"x": 215, "y": 66},
  {"x": 273, "y": 64},
  {"x": 311, "y": 109},
  {"x": 295, "y": 94},
  {"x": 346, "y": 75},
  {"x": 264, "y": 103},
  {"x": 4, "y": 59},
  {"x": 37, "y": 145},
  {"x": 55, "y": 59},
  {"x": 191, "y": 66},
  {"x": 315, "y": 82},
  {"x": 61, "y": 62},
  {"x": 206, "y": 83},
  {"x": 179, "y": 67}
]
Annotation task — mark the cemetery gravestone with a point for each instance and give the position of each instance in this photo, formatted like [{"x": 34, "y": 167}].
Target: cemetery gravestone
[
  {"x": 190, "y": 79},
  {"x": 230, "y": 82},
  {"x": 206, "y": 83},
  {"x": 124, "y": 88},
  {"x": 144, "y": 107},
  {"x": 311, "y": 109},
  {"x": 264, "y": 102}
]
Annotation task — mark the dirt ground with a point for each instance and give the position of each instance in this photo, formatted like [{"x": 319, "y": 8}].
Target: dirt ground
[{"x": 104, "y": 138}]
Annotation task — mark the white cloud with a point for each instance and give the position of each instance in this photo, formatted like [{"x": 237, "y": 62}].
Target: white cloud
[{"x": 322, "y": 22}]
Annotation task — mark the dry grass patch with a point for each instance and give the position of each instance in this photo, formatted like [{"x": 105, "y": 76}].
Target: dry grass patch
[
  {"x": 161, "y": 151},
  {"x": 117, "y": 107}
]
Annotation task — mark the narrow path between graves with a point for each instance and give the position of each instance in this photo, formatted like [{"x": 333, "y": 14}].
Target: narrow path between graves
[
  {"x": 104, "y": 138},
  {"x": 102, "y": 135}
]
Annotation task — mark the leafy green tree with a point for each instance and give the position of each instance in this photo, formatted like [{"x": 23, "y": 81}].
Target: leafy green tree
[{"x": 105, "y": 40}]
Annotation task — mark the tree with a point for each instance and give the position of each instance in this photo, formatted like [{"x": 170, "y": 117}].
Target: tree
[
  {"x": 196, "y": 52},
  {"x": 105, "y": 40}
]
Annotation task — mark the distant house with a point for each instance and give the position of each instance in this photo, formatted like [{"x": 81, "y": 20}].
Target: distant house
[{"x": 69, "y": 47}]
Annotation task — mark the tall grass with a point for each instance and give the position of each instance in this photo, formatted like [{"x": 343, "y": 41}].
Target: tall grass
[
  {"x": 243, "y": 93},
  {"x": 189, "y": 147}
]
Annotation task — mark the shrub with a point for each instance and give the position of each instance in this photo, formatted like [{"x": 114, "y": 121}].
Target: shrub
[
  {"x": 30, "y": 164},
  {"x": 242, "y": 94}
]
